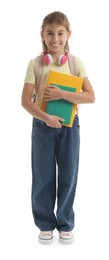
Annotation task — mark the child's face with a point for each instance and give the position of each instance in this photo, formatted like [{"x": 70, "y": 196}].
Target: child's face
[{"x": 55, "y": 37}]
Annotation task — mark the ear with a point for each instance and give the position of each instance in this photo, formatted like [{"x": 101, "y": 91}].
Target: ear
[
  {"x": 68, "y": 35},
  {"x": 42, "y": 36}
]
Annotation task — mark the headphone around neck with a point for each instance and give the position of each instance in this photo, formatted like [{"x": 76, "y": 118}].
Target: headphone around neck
[{"x": 61, "y": 60}]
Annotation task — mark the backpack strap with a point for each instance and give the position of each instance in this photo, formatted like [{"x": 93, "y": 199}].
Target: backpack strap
[
  {"x": 73, "y": 65},
  {"x": 38, "y": 72},
  {"x": 38, "y": 68},
  {"x": 73, "y": 68}
]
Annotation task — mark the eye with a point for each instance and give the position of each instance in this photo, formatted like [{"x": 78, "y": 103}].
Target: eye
[
  {"x": 49, "y": 33},
  {"x": 61, "y": 33}
]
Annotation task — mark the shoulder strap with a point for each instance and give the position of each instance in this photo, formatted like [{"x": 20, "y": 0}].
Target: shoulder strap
[
  {"x": 38, "y": 68},
  {"x": 73, "y": 65},
  {"x": 37, "y": 71}
]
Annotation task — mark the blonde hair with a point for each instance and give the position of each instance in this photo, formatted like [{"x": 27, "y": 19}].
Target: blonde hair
[{"x": 55, "y": 18}]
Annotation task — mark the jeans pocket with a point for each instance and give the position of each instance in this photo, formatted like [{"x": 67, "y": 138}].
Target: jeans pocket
[
  {"x": 76, "y": 122},
  {"x": 37, "y": 123}
]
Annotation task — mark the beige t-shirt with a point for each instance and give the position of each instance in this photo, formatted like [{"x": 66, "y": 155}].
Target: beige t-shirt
[{"x": 30, "y": 75}]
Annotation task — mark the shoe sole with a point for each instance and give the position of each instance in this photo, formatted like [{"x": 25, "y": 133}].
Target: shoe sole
[{"x": 66, "y": 241}]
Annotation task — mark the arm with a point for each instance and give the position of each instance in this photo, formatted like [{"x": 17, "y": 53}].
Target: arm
[
  {"x": 34, "y": 111},
  {"x": 86, "y": 96}
]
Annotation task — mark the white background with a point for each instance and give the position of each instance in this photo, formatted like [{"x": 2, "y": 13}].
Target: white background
[{"x": 20, "y": 23}]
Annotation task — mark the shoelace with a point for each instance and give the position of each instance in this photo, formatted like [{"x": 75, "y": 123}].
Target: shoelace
[
  {"x": 69, "y": 234},
  {"x": 44, "y": 233}
]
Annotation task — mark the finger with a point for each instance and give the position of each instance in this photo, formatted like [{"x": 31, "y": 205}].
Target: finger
[
  {"x": 47, "y": 97},
  {"x": 47, "y": 90},
  {"x": 60, "y": 119},
  {"x": 59, "y": 126},
  {"x": 52, "y": 86}
]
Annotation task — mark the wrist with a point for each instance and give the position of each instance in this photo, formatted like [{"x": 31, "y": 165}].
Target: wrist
[
  {"x": 62, "y": 94},
  {"x": 46, "y": 118}
]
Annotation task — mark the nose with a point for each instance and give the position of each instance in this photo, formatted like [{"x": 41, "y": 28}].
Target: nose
[{"x": 55, "y": 37}]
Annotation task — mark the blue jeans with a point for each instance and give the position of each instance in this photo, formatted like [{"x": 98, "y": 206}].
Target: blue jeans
[{"x": 51, "y": 147}]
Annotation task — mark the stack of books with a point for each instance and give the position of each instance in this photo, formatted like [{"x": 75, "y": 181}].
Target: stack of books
[{"x": 61, "y": 107}]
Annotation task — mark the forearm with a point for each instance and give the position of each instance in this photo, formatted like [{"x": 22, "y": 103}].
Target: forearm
[
  {"x": 77, "y": 98},
  {"x": 51, "y": 121},
  {"x": 86, "y": 96},
  {"x": 34, "y": 110}
]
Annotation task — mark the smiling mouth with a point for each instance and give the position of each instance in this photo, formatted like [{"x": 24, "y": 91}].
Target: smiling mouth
[{"x": 55, "y": 45}]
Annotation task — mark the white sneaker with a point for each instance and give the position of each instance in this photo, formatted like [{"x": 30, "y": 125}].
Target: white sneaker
[
  {"x": 66, "y": 237},
  {"x": 46, "y": 237}
]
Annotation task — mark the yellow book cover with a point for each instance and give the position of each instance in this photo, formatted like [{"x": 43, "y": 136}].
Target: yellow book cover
[{"x": 61, "y": 107}]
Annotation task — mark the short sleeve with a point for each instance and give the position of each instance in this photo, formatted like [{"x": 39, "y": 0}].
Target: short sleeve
[
  {"x": 30, "y": 76},
  {"x": 81, "y": 68}
]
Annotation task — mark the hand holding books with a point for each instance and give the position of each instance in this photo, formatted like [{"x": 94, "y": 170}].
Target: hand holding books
[{"x": 52, "y": 92}]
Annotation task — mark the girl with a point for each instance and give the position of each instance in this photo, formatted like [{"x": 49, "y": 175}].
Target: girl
[{"x": 52, "y": 143}]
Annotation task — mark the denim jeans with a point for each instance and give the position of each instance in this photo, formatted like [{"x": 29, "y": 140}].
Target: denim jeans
[{"x": 53, "y": 147}]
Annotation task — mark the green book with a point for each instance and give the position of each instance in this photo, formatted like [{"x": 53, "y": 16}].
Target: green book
[{"x": 61, "y": 107}]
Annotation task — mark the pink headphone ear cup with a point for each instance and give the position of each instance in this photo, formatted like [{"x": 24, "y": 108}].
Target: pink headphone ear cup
[
  {"x": 47, "y": 59},
  {"x": 62, "y": 59}
]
